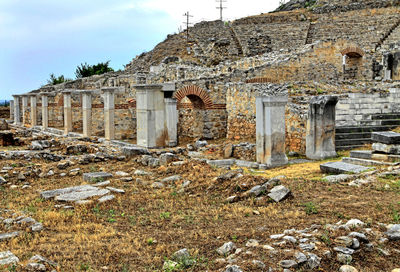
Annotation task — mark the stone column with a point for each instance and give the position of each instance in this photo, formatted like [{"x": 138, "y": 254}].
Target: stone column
[
  {"x": 45, "y": 111},
  {"x": 67, "y": 112},
  {"x": 87, "y": 113},
  {"x": 150, "y": 116},
  {"x": 33, "y": 110},
  {"x": 11, "y": 109},
  {"x": 387, "y": 72},
  {"x": 24, "y": 108},
  {"x": 320, "y": 139},
  {"x": 17, "y": 112},
  {"x": 109, "y": 113},
  {"x": 270, "y": 128},
  {"x": 171, "y": 115}
]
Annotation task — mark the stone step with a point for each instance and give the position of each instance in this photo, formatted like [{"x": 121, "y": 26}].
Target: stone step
[
  {"x": 361, "y": 154},
  {"x": 345, "y": 142},
  {"x": 385, "y": 122},
  {"x": 385, "y": 116},
  {"x": 361, "y": 135},
  {"x": 342, "y": 168},
  {"x": 359, "y": 129},
  {"x": 348, "y": 147},
  {"x": 386, "y": 137},
  {"x": 365, "y": 162}
]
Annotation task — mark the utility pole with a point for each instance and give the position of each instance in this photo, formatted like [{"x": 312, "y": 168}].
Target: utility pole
[
  {"x": 187, "y": 23},
  {"x": 221, "y": 7}
]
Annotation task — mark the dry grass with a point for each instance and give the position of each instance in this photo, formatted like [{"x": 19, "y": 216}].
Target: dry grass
[{"x": 140, "y": 229}]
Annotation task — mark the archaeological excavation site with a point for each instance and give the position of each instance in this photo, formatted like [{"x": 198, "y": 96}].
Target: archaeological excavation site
[{"x": 267, "y": 143}]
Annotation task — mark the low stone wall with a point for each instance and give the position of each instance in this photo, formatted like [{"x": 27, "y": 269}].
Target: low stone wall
[{"x": 357, "y": 107}]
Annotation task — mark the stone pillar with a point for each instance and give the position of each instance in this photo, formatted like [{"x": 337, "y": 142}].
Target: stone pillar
[
  {"x": 33, "y": 110},
  {"x": 17, "y": 112},
  {"x": 270, "y": 128},
  {"x": 171, "y": 115},
  {"x": 387, "y": 72},
  {"x": 67, "y": 112},
  {"x": 45, "y": 111},
  {"x": 11, "y": 109},
  {"x": 150, "y": 116},
  {"x": 24, "y": 108},
  {"x": 320, "y": 139},
  {"x": 109, "y": 113},
  {"x": 87, "y": 113}
]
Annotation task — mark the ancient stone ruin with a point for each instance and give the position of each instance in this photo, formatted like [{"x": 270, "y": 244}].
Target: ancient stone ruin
[{"x": 233, "y": 139}]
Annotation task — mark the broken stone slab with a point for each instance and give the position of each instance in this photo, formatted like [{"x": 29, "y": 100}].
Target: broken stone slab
[
  {"x": 10, "y": 235},
  {"x": 221, "y": 163},
  {"x": 279, "y": 193},
  {"x": 171, "y": 179},
  {"x": 342, "y": 168},
  {"x": 52, "y": 193},
  {"x": 96, "y": 176},
  {"x": 106, "y": 198},
  {"x": 7, "y": 257},
  {"x": 337, "y": 178},
  {"x": 247, "y": 164},
  {"x": 386, "y": 148},
  {"x": 83, "y": 195},
  {"x": 365, "y": 162},
  {"x": 115, "y": 190},
  {"x": 386, "y": 137}
]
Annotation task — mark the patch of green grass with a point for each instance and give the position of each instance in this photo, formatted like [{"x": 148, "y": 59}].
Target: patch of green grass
[
  {"x": 310, "y": 208},
  {"x": 165, "y": 215}
]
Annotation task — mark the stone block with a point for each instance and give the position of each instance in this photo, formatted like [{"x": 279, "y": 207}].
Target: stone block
[
  {"x": 96, "y": 176},
  {"x": 320, "y": 138},
  {"x": 386, "y": 137},
  {"x": 7, "y": 257},
  {"x": 385, "y": 148},
  {"x": 270, "y": 130},
  {"x": 342, "y": 168}
]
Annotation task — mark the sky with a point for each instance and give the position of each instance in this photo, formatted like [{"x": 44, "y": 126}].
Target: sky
[{"x": 40, "y": 37}]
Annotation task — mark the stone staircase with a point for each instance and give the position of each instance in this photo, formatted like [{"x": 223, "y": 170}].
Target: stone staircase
[
  {"x": 310, "y": 33},
  {"x": 351, "y": 137},
  {"x": 237, "y": 42},
  {"x": 385, "y": 152},
  {"x": 391, "y": 40}
]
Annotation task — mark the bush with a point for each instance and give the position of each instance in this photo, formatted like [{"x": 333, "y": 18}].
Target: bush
[
  {"x": 86, "y": 70},
  {"x": 57, "y": 80}
]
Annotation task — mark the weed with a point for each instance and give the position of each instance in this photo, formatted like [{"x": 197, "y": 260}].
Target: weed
[
  {"x": 234, "y": 238},
  {"x": 165, "y": 215},
  {"x": 12, "y": 268},
  {"x": 150, "y": 241},
  {"x": 326, "y": 238},
  {"x": 311, "y": 208},
  {"x": 84, "y": 267}
]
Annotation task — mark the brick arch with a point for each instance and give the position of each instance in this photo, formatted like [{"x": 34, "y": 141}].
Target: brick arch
[
  {"x": 353, "y": 51},
  {"x": 195, "y": 91}
]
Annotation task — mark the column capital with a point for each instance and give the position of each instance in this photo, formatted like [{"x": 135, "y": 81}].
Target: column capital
[{"x": 113, "y": 89}]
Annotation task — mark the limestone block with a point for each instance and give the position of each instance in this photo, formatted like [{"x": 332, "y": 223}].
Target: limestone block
[
  {"x": 320, "y": 139},
  {"x": 270, "y": 130}
]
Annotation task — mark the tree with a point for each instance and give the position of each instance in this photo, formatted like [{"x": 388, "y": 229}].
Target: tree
[
  {"x": 86, "y": 70},
  {"x": 57, "y": 80}
]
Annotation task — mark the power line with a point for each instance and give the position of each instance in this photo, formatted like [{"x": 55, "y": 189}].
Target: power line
[
  {"x": 221, "y": 7},
  {"x": 187, "y": 23}
]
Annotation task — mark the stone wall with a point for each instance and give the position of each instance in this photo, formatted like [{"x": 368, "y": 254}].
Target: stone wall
[{"x": 356, "y": 109}]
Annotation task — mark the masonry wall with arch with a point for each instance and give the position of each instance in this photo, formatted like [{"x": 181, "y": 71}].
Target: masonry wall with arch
[{"x": 198, "y": 116}]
